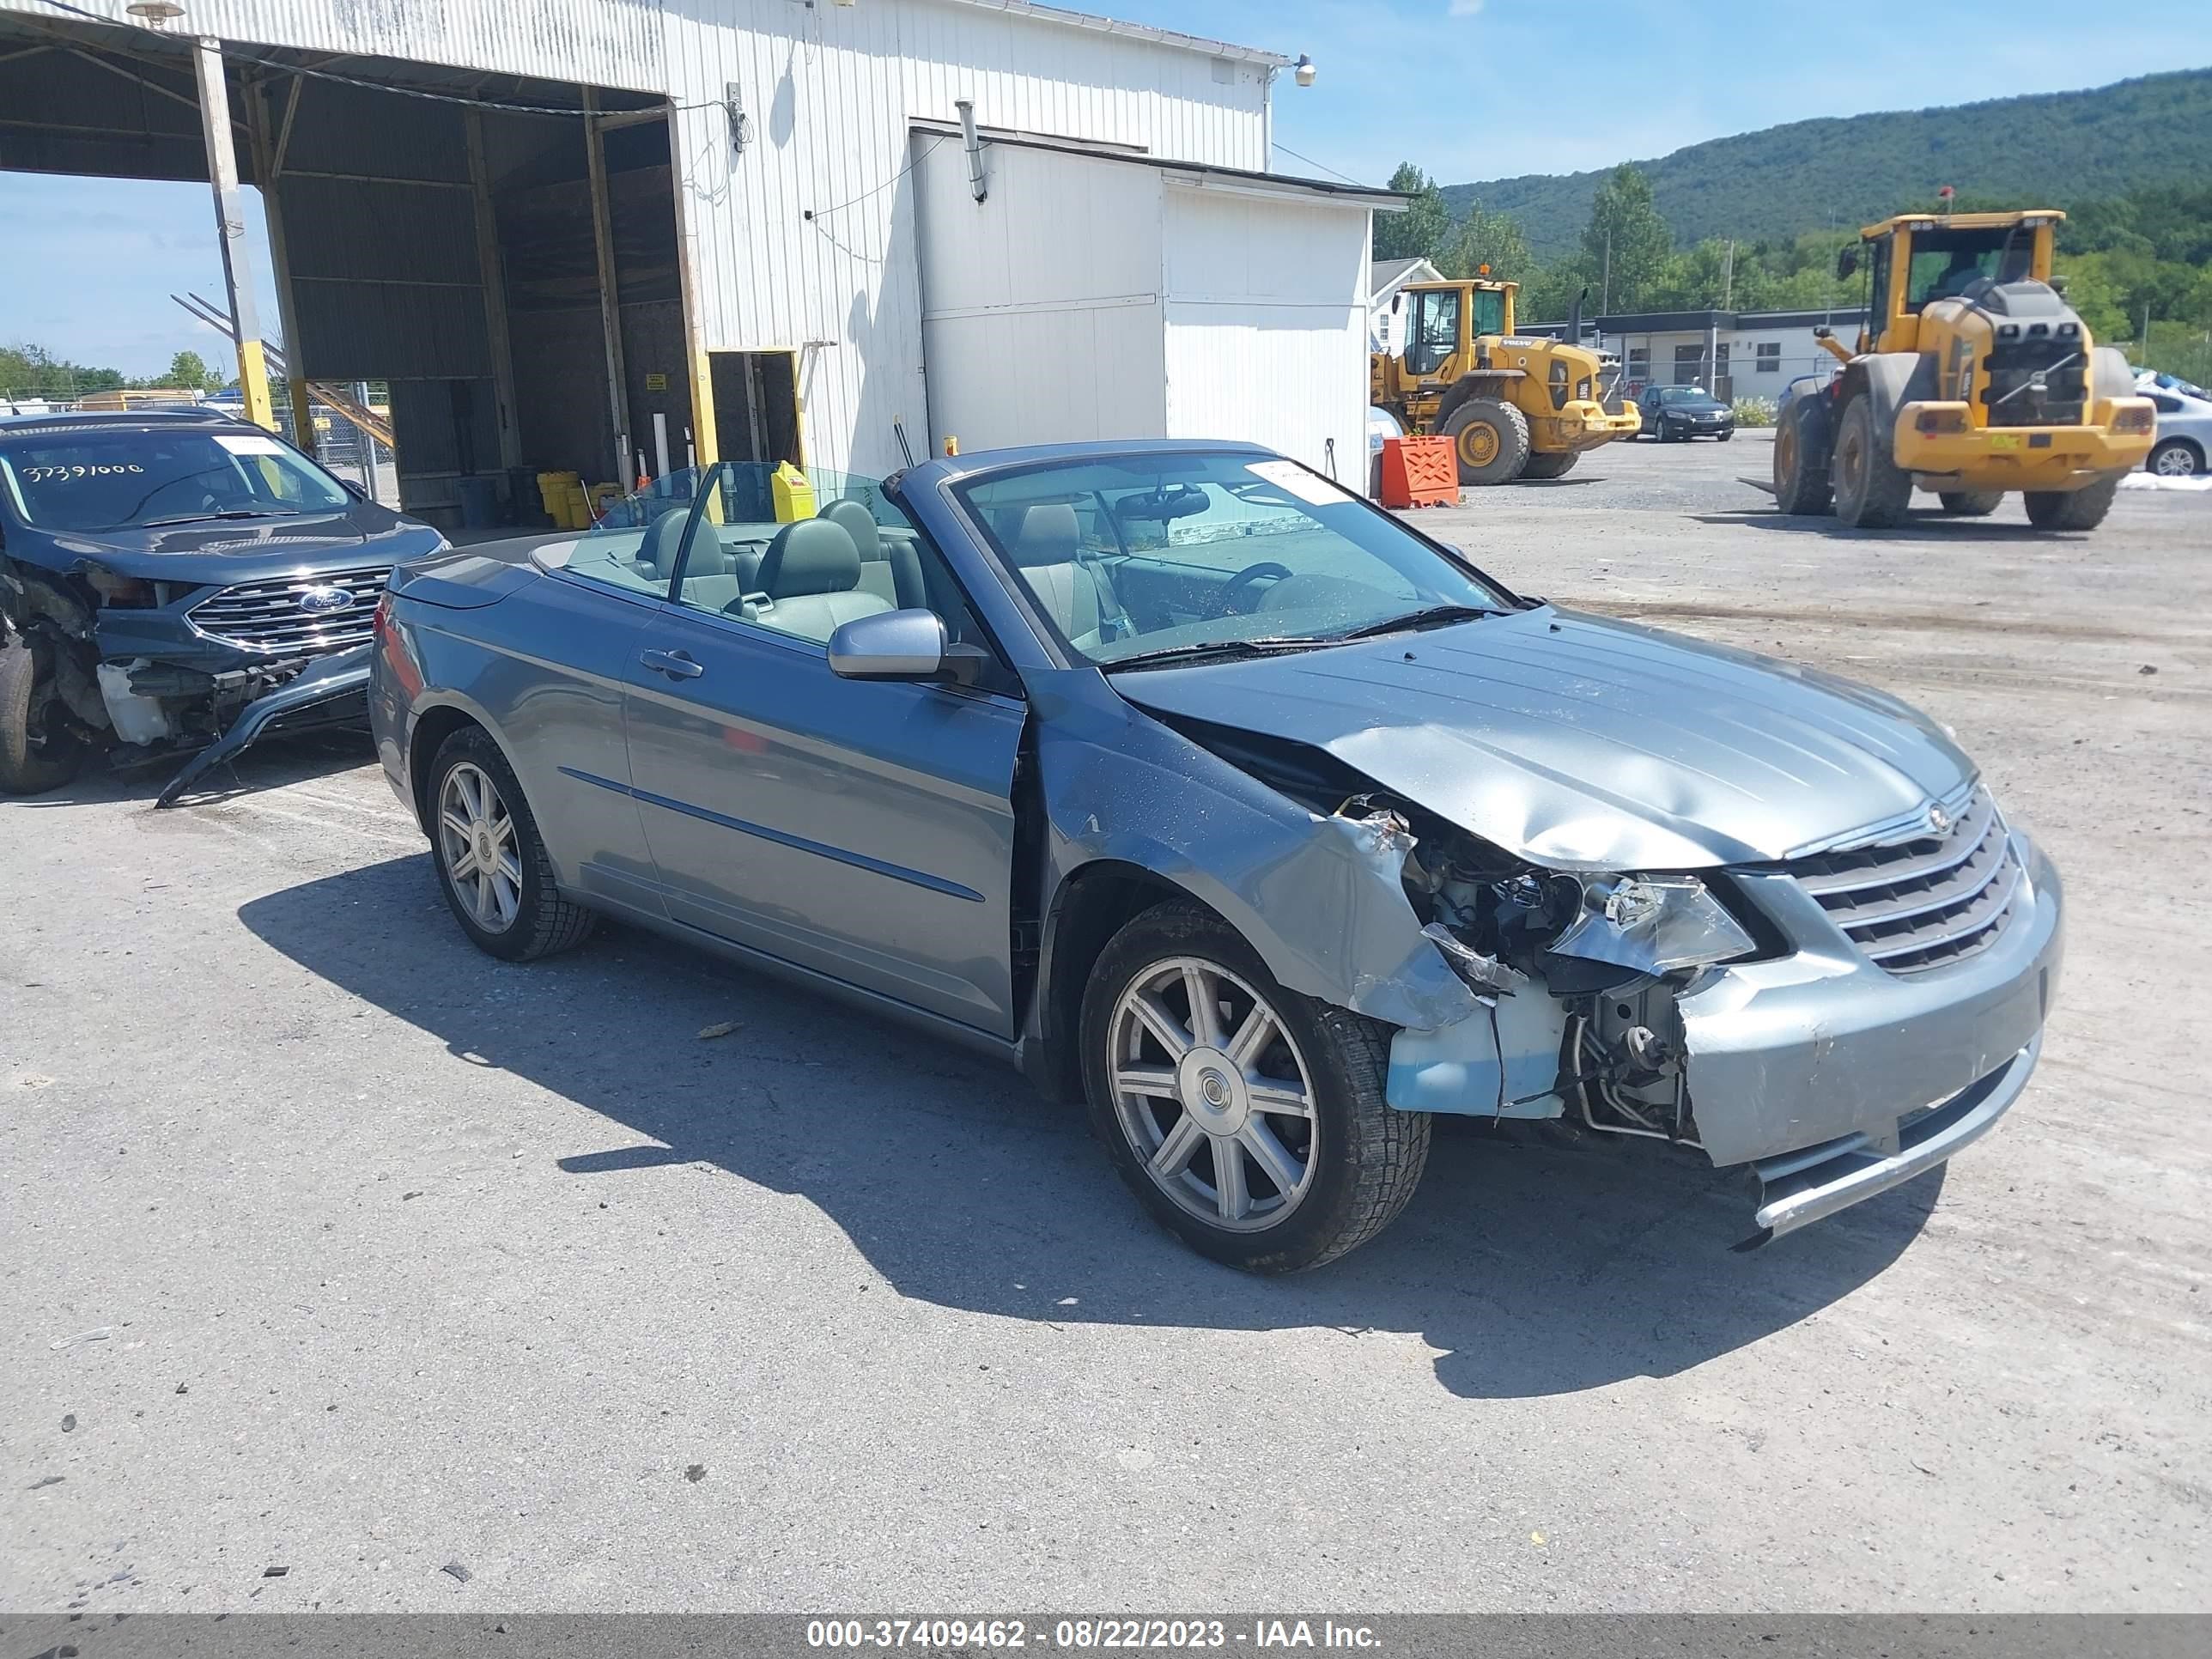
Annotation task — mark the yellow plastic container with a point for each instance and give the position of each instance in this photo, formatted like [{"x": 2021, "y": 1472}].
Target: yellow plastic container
[
  {"x": 792, "y": 494},
  {"x": 580, "y": 507},
  {"x": 553, "y": 495}
]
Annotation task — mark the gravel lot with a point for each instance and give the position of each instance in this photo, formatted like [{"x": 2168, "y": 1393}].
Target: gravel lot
[{"x": 327, "y": 1243}]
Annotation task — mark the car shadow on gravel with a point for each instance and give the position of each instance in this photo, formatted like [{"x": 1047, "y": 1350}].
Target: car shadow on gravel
[{"x": 1536, "y": 1263}]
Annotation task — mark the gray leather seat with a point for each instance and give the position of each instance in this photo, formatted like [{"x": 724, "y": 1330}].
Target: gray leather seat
[
  {"x": 889, "y": 568},
  {"x": 1044, "y": 547},
  {"x": 812, "y": 576}
]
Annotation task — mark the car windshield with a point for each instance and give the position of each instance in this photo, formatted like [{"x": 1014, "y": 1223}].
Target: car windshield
[
  {"x": 117, "y": 480},
  {"x": 1686, "y": 397},
  {"x": 1173, "y": 554}
]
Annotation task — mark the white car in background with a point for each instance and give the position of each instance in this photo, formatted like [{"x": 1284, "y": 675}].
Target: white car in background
[{"x": 2185, "y": 426}]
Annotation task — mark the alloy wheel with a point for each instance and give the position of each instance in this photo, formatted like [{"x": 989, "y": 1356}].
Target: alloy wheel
[
  {"x": 2176, "y": 461},
  {"x": 477, "y": 840},
  {"x": 1212, "y": 1095}
]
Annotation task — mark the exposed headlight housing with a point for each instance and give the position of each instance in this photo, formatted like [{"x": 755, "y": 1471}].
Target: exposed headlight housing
[{"x": 1652, "y": 924}]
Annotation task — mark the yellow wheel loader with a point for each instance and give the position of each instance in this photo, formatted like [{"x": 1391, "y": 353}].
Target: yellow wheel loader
[
  {"x": 1972, "y": 379},
  {"x": 1513, "y": 407}
]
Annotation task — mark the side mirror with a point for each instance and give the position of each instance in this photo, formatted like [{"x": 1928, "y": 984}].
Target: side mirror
[
  {"x": 353, "y": 487},
  {"x": 902, "y": 645},
  {"x": 1847, "y": 261}
]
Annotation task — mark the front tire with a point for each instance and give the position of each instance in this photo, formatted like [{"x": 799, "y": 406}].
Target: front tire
[
  {"x": 2072, "y": 509},
  {"x": 1490, "y": 440},
  {"x": 37, "y": 750},
  {"x": 1551, "y": 466},
  {"x": 1248, "y": 1120},
  {"x": 492, "y": 864},
  {"x": 1971, "y": 503},
  {"x": 1872, "y": 491}
]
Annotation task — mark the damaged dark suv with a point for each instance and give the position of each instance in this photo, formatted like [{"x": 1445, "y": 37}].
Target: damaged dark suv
[{"x": 173, "y": 582}]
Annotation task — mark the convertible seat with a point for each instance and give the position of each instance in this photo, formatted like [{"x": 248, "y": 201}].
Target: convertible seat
[
  {"x": 890, "y": 568},
  {"x": 1043, "y": 548},
  {"x": 812, "y": 576}
]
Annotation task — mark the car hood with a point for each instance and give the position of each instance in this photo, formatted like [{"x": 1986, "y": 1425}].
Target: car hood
[
  {"x": 224, "y": 550},
  {"x": 1578, "y": 742}
]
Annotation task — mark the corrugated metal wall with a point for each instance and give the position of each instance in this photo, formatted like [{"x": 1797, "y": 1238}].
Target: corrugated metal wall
[
  {"x": 1267, "y": 323},
  {"x": 808, "y": 236},
  {"x": 1042, "y": 314}
]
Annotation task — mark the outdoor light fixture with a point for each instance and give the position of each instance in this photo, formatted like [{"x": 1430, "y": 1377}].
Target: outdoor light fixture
[
  {"x": 155, "y": 11},
  {"x": 1305, "y": 70}
]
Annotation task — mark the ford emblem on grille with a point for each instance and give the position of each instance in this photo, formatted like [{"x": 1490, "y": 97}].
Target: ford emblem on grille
[
  {"x": 321, "y": 601},
  {"x": 1938, "y": 820}
]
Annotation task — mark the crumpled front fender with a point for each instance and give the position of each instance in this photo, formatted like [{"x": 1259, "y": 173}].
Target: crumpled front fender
[{"x": 1321, "y": 900}]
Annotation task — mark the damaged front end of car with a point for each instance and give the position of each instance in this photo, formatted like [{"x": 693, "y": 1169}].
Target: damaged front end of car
[
  {"x": 1837, "y": 1018},
  {"x": 142, "y": 669}
]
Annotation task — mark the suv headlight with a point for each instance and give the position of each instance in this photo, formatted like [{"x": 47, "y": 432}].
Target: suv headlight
[{"x": 1651, "y": 923}]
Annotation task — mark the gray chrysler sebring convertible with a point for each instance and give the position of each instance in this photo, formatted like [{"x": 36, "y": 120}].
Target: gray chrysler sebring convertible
[{"x": 1203, "y": 791}]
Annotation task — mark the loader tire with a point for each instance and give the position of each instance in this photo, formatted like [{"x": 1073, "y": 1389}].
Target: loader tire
[
  {"x": 1551, "y": 466},
  {"x": 38, "y": 749},
  {"x": 1801, "y": 461},
  {"x": 1872, "y": 491},
  {"x": 1971, "y": 503},
  {"x": 2072, "y": 509},
  {"x": 1490, "y": 440}
]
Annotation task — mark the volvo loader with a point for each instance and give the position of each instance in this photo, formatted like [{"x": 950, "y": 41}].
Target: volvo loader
[{"x": 1972, "y": 379}]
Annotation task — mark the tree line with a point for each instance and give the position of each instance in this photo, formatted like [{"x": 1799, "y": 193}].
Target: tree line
[
  {"x": 32, "y": 371},
  {"x": 2148, "y": 252}
]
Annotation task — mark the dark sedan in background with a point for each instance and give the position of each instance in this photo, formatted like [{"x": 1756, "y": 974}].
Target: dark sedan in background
[
  {"x": 1210, "y": 794},
  {"x": 176, "y": 581},
  {"x": 1674, "y": 414}
]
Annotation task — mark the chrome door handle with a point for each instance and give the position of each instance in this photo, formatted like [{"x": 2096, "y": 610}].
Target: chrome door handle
[{"x": 674, "y": 664}]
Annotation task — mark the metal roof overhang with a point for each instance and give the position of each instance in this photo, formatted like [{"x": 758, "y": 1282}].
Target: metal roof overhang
[{"x": 1191, "y": 172}]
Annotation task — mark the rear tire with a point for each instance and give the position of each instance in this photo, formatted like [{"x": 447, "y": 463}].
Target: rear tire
[
  {"x": 2072, "y": 509},
  {"x": 1490, "y": 440},
  {"x": 1971, "y": 503},
  {"x": 2177, "y": 457},
  {"x": 492, "y": 863},
  {"x": 1872, "y": 491},
  {"x": 1551, "y": 466},
  {"x": 1349, "y": 1160},
  {"x": 37, "y": 750},
  {"x": 1800, "y": 462}
]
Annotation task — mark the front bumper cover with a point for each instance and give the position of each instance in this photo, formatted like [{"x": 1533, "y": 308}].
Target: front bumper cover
[
  {"x": 1832, "y": 1079},
  {"x": 330, "y": 690}
]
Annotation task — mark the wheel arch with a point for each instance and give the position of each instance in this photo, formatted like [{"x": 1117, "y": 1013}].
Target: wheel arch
[
  {"x": 1476, "y": 384},
  {"x": 1092, "y": 902},
  {"x": 431, "y": 727}
]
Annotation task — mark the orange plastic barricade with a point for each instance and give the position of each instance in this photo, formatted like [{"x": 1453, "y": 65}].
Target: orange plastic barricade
[{"x": 1419, "y": 473}]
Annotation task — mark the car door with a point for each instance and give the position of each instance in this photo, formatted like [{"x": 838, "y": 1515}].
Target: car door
[{"x": 863, "y": 830}]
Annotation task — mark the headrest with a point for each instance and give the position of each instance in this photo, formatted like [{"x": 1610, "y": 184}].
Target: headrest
[
  {"x": 663, "y": 542},
  {"x": 1048, "y": 535},
  {"x": 858, "y": 523},
  {"x": 813, "y": 555}
]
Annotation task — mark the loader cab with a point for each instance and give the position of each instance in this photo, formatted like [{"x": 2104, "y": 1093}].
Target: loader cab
[
  {"x": 1915, "y": 259},
  {"x": 1443, "y": 321}
]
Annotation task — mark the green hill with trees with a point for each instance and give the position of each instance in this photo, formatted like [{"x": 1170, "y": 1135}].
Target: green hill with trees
[{"x": 2045, "y": 150}]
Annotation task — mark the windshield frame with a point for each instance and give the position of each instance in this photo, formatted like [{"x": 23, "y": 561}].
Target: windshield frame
[
  {"x": 955, "y": 494},
  {"x": 123, "y": 435}
]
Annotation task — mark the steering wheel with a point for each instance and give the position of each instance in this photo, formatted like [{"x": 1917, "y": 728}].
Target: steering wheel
[{"x": 1232, "y": 590}]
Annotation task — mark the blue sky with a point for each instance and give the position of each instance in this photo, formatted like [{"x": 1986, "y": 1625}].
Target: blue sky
[{"x": 1468, "y": 89}]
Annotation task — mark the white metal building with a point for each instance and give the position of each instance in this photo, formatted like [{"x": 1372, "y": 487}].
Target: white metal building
[
  {"x": 544, "y": 222},
  {"x": 1732, "y": 354}
]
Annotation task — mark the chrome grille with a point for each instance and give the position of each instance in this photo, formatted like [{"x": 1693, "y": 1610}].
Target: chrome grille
[
  {"x": 267, "y": 616},
  {"x": 1913, "y": 905}
]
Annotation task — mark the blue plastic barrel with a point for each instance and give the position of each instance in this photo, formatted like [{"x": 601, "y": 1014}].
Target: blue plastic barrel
[{"x": 479, "y": 503}]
